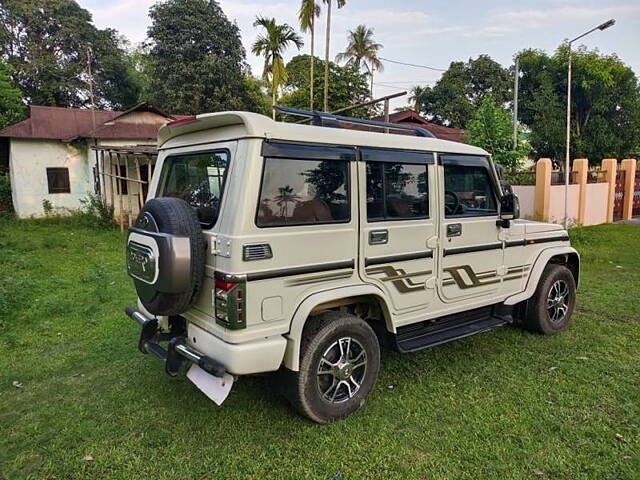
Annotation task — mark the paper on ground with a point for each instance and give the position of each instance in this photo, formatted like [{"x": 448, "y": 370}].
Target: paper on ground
[{"x": 216, "y": 388}]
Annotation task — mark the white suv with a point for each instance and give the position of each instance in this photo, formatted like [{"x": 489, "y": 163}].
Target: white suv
[{"x": 274, "y": 246}]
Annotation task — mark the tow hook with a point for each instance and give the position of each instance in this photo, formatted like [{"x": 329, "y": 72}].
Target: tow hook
[{"x": 177, "y": 350}]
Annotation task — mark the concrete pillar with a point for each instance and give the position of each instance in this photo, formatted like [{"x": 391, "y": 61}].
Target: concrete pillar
[
  {"x": 543, "y": 188},
  {"x": 609, "y": 166},
  {"x": 581, "y": 167},
  {"x": 629, "y": 167}
]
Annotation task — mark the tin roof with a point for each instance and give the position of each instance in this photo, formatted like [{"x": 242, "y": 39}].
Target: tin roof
[
  {"x": 60, "y": 123},
  {"x": 411, "y": 117}
]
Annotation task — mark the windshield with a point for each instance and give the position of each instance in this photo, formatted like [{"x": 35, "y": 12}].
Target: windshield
[{"x": 198, "y": 179}]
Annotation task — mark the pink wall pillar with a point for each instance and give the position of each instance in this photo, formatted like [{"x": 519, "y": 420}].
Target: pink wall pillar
[
  {"x": 629, "y": 167},
  {"x": 609, "y": 166},
  {"x": 543, "y": 188},
  {"x": 581, "y": 167}
]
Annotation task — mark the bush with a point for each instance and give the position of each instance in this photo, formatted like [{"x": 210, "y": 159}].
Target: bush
[
  {"x": 96, "y": 211},
  {"x": 5, "y": 193}
]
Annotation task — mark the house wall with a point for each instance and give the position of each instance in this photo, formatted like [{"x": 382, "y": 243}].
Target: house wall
[
  {"x": 556, "y": 203},
  {"x": 28, "y": 163}
]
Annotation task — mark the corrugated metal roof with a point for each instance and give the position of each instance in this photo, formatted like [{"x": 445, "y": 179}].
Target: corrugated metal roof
[
  {"x": 411, "y": 117},
  {"x": 61, "y": 123}
]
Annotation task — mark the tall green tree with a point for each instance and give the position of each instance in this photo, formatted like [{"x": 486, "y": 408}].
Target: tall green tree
[
  {"x": 454, "y": 98},
  {"x": 12, "y": 108},
  {"x": 347, "y": 86},
  {"x": 605, "y": 103},
  {"x": 491, "y": 128},
  {"x": 309, "y": 11},
  {"x": 339, "y": 4},
  {"x": 361, "y": 50},
  {"x": 50, "y": 45},
  {"x": 416, "y": 97},
  {"x": 197, "y": 62},
  {"x": 271, "y": 46}
]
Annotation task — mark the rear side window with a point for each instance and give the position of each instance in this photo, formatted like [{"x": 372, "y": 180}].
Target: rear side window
[
  {"x": 198, "y": 179},
  {"x": 396, "y": 191},
  {"x": 303, "y": 192}
]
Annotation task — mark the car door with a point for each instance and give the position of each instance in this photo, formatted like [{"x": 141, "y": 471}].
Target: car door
[
  {"x": 472, "y": 252},
  {"x": 397, "y": 221}
]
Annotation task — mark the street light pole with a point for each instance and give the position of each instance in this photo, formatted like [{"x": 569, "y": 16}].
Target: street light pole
[{"x": 567, "y": 162}]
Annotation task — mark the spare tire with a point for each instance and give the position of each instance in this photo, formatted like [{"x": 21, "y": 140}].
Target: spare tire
[{"x": 166, "y": 255}]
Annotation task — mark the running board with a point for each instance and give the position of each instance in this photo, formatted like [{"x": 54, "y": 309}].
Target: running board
[{"x": 430, "y": 333}]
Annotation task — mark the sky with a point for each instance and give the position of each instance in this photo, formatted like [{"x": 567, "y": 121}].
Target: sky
[{"x": 429, "y": 32}]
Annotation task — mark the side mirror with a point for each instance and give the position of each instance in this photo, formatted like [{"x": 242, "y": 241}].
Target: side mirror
[{"x": 509, "y": 209}]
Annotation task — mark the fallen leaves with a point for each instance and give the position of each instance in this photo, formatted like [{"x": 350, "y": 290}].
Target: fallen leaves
[{"x": 87, "y": 458}]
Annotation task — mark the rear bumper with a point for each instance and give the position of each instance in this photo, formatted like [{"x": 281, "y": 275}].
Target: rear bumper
[{"x": 212, "y": 354}]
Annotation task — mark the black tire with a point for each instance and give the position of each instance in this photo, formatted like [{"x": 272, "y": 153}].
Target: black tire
[
  {"x": 324, "y": 335},
  {"x": 544, "y": 308},
  {"x": 176, "y": 217}
]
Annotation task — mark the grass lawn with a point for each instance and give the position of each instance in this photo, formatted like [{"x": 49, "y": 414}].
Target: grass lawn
[{"x": 504, "y": 404}]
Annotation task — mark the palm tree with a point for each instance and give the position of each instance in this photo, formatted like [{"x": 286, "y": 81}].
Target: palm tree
[
  {"x": 307, "y": 14},
  {"x": 362, "y": 50},
  {"x": 340, "y": 4},
  {"x": 416, "y": 97},
  {"x": 285, "y": 196},
  {"x": 271, "y": 46}
]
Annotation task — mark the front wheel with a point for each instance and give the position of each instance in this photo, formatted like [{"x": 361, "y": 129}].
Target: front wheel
[
  {"x": 339, "y": 363},
  {"x": 551, "y": 306}
]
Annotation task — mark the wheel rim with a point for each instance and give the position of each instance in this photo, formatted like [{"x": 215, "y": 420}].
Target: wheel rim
[
  {"x": 341, "y": 370},
  {"x": 558, "y": 301}
]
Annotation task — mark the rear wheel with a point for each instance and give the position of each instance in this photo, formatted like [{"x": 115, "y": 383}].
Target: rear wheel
[
  {"x": 339, "y": 363},
  {"x": 550, "y": 308}
]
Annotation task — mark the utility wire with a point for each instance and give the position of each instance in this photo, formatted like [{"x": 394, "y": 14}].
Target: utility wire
[{"x": 413, "y": 65}]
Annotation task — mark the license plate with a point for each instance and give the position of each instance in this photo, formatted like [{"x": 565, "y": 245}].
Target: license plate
[{"x": 216, "y": 388}]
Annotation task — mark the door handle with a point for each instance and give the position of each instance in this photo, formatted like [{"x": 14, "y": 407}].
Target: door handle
[
  {"x": 454, "y": 230},
  {"x": 378, "y": 237}
]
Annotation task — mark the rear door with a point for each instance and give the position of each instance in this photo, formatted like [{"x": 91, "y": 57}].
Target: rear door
[
  {"x": 397, "y": 222},
  {"x": 472, "y": 252}
]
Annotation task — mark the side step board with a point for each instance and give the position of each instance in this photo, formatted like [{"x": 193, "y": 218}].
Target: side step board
[{"x": 446, "y": 329}]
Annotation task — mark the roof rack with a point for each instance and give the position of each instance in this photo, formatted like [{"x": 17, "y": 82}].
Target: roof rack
[{"x": 324, "y": 119}]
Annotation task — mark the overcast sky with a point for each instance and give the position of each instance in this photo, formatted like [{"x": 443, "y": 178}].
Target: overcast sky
[{"x": 431, "y": 33}]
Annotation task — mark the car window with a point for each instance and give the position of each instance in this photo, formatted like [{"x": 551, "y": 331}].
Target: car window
[
  {"x": 198, "y": 179},
  {"x": 468, "y": 191},
  {"x": 396, "y": 191},
  {"x": 303, "y": 192}
]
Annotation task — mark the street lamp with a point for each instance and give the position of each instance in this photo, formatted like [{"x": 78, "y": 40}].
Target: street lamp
[{"x": 602, "y": 26}]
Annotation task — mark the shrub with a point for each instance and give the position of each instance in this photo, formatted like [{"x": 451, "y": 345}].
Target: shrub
[{"x": 5, "y": 193}]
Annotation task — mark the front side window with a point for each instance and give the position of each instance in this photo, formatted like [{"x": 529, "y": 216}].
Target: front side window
[
  {"x": 396, "y": 191},
  {"x": 198, "y": 179},
  {"x": 303, "y": 192},
  {"x": 468, "y": 191}
]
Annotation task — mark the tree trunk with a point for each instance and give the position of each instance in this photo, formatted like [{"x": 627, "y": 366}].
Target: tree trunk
[
  {"x": 326, "y": 58},
  {"x": 371, "y": 83},
  {"x": 313, "y": 21},
  {"x": 273, "y": 98}
]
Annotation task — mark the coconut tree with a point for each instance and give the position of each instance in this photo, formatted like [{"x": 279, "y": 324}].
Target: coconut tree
[
  {"x": 309, "y": 11},
  {"x": 271, "y": 45},
  {"x": 362, "y": 50},
  {"x": 417, "y": 96},
  {"x": 340, "y": 4}
]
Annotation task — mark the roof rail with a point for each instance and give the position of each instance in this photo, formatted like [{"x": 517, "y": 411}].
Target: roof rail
[{"x": 324, "y": 119}]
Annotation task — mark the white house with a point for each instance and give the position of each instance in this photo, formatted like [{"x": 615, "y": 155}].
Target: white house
[{"x": 57, "y": 156}]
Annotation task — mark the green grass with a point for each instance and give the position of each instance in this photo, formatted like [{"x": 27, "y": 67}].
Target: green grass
[{"x": 505, "y": 404}]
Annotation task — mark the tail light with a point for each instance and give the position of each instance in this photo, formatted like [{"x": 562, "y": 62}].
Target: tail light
[{"x": 229, "y": 302}]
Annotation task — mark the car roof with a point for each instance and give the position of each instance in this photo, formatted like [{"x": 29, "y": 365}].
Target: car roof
[{"x": 254, "y": 125}]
